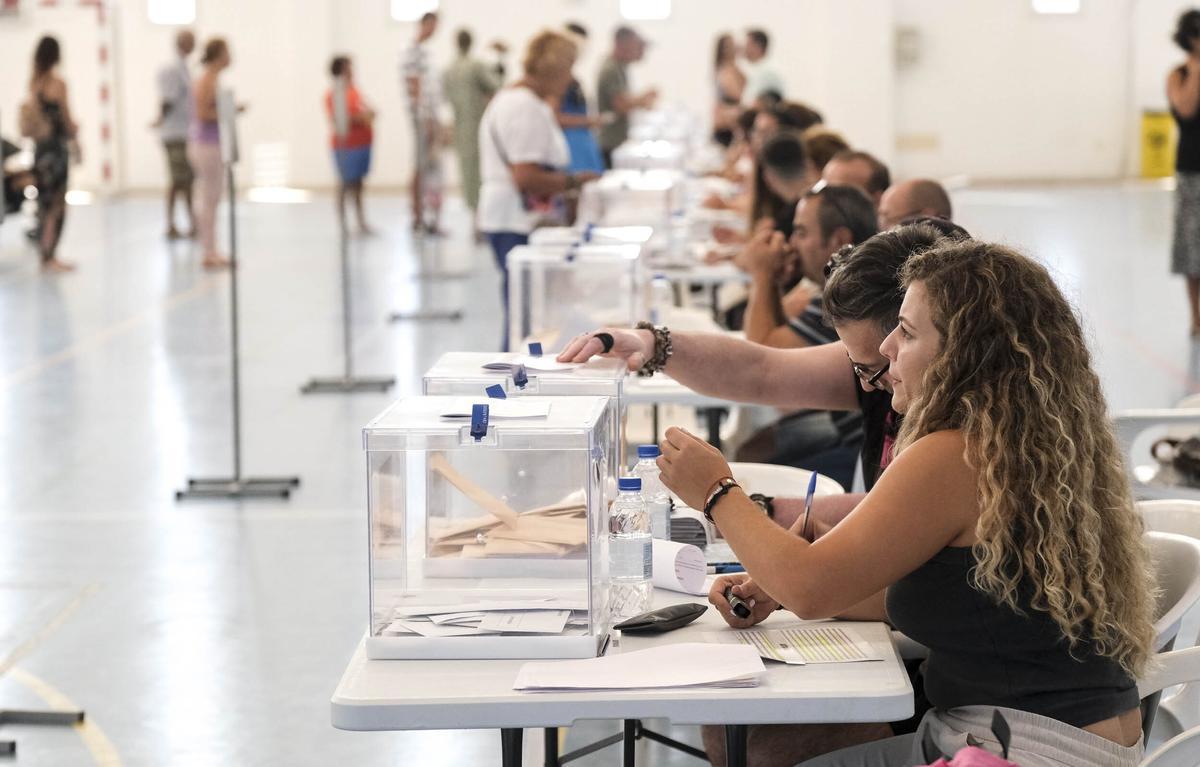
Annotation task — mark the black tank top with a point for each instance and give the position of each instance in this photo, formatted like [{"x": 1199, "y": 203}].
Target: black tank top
[
  {"x": 1187, "y": 156},
  {"x": 983, "y": 653}
]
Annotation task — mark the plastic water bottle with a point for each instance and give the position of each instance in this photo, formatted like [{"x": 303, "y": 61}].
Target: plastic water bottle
[
  {"x": 654, "y": 493},
  {"x": 629, "y": 552},
  {"x": 662, "y": 299}
]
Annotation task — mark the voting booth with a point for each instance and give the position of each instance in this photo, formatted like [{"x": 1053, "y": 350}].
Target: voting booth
[{"x": 487, "y": 527}]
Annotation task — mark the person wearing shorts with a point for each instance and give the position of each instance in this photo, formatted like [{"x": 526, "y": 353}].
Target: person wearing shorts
[{"x": 352, "y": 137}]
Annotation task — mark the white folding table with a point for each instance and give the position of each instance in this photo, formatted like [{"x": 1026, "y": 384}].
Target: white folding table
[{"x": 478, "y": 694}]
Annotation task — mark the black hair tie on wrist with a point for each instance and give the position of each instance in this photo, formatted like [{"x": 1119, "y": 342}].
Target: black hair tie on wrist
[{"x": 606, "y": 340}]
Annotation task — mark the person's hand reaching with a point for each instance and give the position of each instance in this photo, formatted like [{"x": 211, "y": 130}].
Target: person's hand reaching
[{"x": 633, "y": 346}]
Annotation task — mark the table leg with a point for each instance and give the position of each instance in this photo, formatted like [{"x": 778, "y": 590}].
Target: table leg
[
  {"x": 510, "y": 746},
  {"x": 735, "y": 745},
  {"x": 714, "y": 291},
  {"x": 630, "y": 744},
  {"x": 551, "y": 740},
  {"x": 654, "y": 425}
]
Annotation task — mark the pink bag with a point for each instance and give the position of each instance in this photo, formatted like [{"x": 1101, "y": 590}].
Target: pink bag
[{"x": 972, "y": 756}]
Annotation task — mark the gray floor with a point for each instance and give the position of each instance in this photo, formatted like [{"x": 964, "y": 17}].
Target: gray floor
[{"x": 214, "y": 633}]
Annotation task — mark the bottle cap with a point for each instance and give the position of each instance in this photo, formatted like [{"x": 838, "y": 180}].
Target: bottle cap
[
  {"x": 648, "y": 451},
  {"x": 629, "y": 483}
]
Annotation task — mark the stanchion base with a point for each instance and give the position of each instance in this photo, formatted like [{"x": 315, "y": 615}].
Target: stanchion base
[
  {"x": 453, "y": 315},
  {"x": 251, "y": 487},
  {"x": 347, "y": 385},
  {"x": 441, "y": 276},
  {"x": 53, "y": 718}
]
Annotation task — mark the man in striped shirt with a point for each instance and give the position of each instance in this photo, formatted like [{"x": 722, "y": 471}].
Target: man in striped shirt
[{"x": 424, "y": 94}]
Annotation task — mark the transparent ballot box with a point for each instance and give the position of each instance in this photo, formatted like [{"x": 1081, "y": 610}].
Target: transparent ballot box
[
  {"x": 557, "y": 293},
  {"x": 649, "y": 155},
  {"x": 487, "y": 535},
  {"x": 633, "y": 198},
  {"x": 472, "y": 374},
  {"x": 568, "y": 236}
]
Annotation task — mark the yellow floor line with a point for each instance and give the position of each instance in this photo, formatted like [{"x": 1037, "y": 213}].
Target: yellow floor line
[
  {"x": 105, "y": 335},
  {"x": 31, "y": 644},
  {"x": 103, "y": 752}
]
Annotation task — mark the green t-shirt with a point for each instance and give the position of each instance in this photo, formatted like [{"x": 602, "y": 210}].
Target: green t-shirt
[{"x": 611, "y": 83}]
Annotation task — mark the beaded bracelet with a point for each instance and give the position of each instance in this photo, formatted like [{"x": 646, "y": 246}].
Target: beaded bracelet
[{"x": 663, "y": 349}]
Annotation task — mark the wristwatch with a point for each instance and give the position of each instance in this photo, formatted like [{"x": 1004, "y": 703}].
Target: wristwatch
[{"x": 723, "y": 486}]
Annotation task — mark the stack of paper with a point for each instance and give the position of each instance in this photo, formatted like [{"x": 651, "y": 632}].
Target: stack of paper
[
  {"x": 824, "y": 643},
  {"x": 475, "y": 618},
  {"x": 688, "y": 664}
]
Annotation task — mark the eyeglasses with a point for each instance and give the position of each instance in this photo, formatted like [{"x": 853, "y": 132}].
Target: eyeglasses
[
  {"x": 868, "y": 376},
  {"x": 837, "y": 259}
]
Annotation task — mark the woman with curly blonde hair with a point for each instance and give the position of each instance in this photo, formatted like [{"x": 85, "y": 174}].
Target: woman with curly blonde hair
[{"x": 1002, "y": 535}]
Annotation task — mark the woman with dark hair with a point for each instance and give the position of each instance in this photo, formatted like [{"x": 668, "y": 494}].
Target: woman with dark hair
[
  {"x": 729, "y": 82},
  {"x": 1183, "y": 93},
  {"x": 52, "y": 154},
  {"x": 204, "y": 150}
]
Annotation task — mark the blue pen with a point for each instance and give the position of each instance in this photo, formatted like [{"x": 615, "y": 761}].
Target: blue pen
[{"x": 808, "y": 498}]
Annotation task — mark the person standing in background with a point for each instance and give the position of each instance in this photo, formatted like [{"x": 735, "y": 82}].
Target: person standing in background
[
  {"x": 729, "y": 82},
  {"x": 174, "y": 117},
  {"x": 204, "y": 150},
  {"x": 523, "y": 154},
  {"x": 612, "y": 90},
  {"x": 422, "y": 87},
  {"x": 469, "y": 85},
  {"x": 573, "y": 117},
  {"x": 761, "y": 76},
  {"x": 1183, "y": 93},
  {"x": 352, "y": 118},
  {"x": 53, "y": 132}
]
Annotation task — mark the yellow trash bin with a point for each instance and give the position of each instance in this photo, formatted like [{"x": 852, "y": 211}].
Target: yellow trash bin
[{"x": 1158, "y": 144}]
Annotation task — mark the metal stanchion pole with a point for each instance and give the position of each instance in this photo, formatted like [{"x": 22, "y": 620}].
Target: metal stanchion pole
[
  {"x": 235, "y": 486},
  {"x": 421, "y": 129},
  {"x": 347, "y": 383}
]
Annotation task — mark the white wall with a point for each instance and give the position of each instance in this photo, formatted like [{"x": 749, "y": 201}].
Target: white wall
[
  {"x": 1001, "y": 92},
  {"x": 281, "y": 49},
  {"x": 998, "y": 92},
  {"x": 79, "y": 36}
]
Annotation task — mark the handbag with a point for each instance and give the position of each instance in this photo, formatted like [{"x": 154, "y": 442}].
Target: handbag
[
  {"x": 31, "y": 120},
  {"x": 1181, "y": 455},
  {"x": 549, "y": 210}
]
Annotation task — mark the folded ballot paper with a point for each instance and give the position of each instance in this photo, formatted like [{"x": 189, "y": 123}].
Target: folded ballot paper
[{"x": 688, "y": 664}]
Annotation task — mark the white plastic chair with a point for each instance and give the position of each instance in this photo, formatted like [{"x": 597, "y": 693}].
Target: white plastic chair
[
  {"x": 1176, "y": 561},
  {"x": 1174, "y": 668},
  {"x": 1136, "y": 432},
  {"x": 1180, "y": 709}
]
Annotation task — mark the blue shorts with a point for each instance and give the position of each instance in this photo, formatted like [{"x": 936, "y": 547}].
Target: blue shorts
[{"x": 353, "y": 164}]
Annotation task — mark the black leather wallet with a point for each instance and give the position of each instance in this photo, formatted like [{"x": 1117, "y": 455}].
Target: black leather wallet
[{"x": 662, "y": 620}]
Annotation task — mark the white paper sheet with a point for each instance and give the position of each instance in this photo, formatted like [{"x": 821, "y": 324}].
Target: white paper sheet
[
  {"x": 686, "y": 664},
  {"x": 679, "y": 567},
  {"x": 544, "y": 364},
  {"x": 412, "y": 608},
  {"x": 798, "y": 645},
  {"x": 426, "y": 629},
  {"x": 449, "y": 618},
  {"x": 539, "y": 622},
  {"x": 498, "y": 408}
]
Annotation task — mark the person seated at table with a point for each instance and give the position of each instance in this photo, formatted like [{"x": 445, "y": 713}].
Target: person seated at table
[
  {"x": 821, "y": 144},
  {"x": 828, "y": 219},
  {"x": 861, "y": 169},
  {"x": 862, "y": 300},
  {"x": 916, "y": 197},
  {"x": 1002, "y": 536}
]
